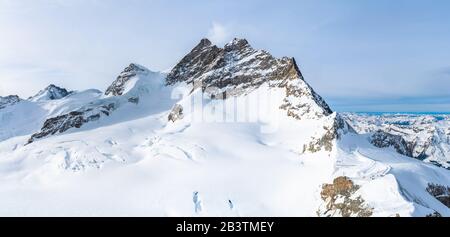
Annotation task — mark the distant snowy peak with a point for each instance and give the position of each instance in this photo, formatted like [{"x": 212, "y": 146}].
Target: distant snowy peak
[
  {"x": 238, "y": 69},
  {"x": 423, "y": 137},
  {"x": 51, "y": 92},
  {"x": 8, "y": 100},
  {"x": 132, "y": 83},
  {"x": 124, "y": 81}
]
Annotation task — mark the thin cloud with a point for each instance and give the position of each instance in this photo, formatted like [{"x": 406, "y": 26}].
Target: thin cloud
[{"x": 218, "y": 33}]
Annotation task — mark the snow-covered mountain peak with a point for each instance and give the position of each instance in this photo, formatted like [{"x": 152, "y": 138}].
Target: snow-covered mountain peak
[
  {"x": 424, "y": 137},
  {"x": 204, "y": 43},
  {"x": 236, "y": 44},
  {"x": 135, "y": 68},
  {"x": 51, "y": 92},
  {"x": 238, "y": 69},
  {"x": 133, "y": 83},
  {"x": 126, "y": 79},
  {"x": 8, "y": 100},
  {"x": 151, "y": 131}
]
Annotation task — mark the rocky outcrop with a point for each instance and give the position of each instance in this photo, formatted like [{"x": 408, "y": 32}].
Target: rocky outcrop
[
  {"x": 334, "y": 127},
  {"x": 74, "y": 119},
  {"x": 382, "y": 139},
  {"x": 440, "y": 192},
  {"x": 195, "y": 64},
  {"x": 324, "y": 141},
  {"x": 434, "y": 214},
  {"x": 301, "y": 101},
  {"x": 176, "y": 113},
  {"x": 340, "y": 200},
  {"x": 8, "y": 101},
  {"x": 118, "y": 87},
  {"x": 238, "y": 69},
  {"x": 51, "y": 92},
  {"x": 134, "y": 100},
  {"x": 343, "y": 126}
]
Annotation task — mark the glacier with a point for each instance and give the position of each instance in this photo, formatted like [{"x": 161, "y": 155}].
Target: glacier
[{"x": 229, "y": 131}]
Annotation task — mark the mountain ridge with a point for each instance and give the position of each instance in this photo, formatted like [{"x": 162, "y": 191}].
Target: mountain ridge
[
  {"x": 225, "y": 125},
  {"x": 238, "y": 69},
  {"x": 51, "y": 92}
]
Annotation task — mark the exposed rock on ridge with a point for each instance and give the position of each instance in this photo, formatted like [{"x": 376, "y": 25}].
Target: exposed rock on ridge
[
  {"x": 8, "y": 101},
  {"x": 235, "y": 70},
  {"x": 51, "y": 92},
  {"x": 94, "y": 111},
  {"x": 440, "y": 192},
  {"x": 382, "y": 139},
  {"x": 239, "y": 69},
  {"x": 118, "y": 86},
  {"x": 74, "y": 119},
  {"x": 341, "y": 200}
]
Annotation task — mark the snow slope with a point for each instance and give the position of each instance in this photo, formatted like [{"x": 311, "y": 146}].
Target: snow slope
[
  {"x": 391, "y": 183},
  {"x": 424, "y": 137},
  {"x": 27, "y": 116},
  {"x": 248, "y": 154}
]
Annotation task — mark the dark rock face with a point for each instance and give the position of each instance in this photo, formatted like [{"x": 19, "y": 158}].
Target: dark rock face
[
  {"x": 235, "y": 66},
  {"x": 176, "y": 113},
  {"x": 195, "y": 64},
  {"x": 74, "y": 119},
  {"x": 408, "y": 147},
  {"x": 56, "y": 92},
  {"x": 382, "y": 139},
  {"x": 343, "y": 125},
  {"x": 238, "y": 69},
  {"x": 118, "y": 86},
  {"x": 434, "y": 214},
  {"x": 8, "y": 101},
  {"x": 440, "y": 192},
  {"x": 134, "y": 100},
  {"x": 51, "y": 92}
]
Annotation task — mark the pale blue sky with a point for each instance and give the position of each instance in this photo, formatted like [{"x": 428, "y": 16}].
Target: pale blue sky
[{"x": 360, "y": 55}]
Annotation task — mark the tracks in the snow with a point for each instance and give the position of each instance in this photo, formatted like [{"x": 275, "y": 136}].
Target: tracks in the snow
[
  {"x": 372, "y": 169},
  {"x": 164, "y": 147},
  {"x": 359, "y": 166}
]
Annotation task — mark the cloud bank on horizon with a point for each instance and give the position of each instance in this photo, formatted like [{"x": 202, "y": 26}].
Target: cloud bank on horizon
[{"x": 359, "y": 55}]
